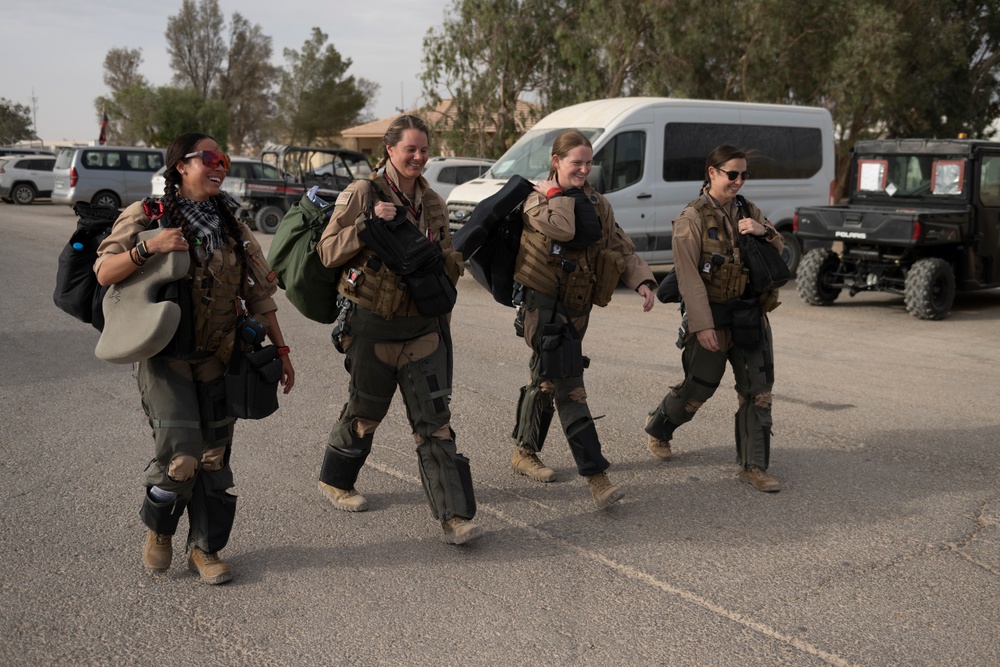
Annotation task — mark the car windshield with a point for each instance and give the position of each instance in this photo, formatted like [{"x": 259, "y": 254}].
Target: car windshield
[
  {"x": 911, "y": 176},
  {"x": 531, "y": 155}
]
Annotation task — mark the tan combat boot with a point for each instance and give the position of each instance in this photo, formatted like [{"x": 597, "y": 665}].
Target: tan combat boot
[
  {"x": 527, "y": 463},
  {"x": 157, "y": 552},
  {"x": 659, "y": 448},
  {"x": 760, "y": 480},
  {"x": 210, "y": 567},
  {"x": 349, "y": 500},
  {"x": 603, "y": 490},
  {"x": 458, "y": 530}
]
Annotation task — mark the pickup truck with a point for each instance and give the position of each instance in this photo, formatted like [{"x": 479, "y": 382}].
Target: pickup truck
[
  {"x": 922, "y": 221},
  {"x": 296, "y": 169}
]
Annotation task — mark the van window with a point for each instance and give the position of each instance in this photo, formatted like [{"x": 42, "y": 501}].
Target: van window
[
  {"x": 531, "y": 155},
  {"x": 779, "y": 152},
  {"x": 65, "y": 158},
  {"x": 143, "y": 161},
  {"x": 621, "y": 160}
]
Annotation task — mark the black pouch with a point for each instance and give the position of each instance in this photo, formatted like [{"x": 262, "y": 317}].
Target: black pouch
[
  {"x": 252, "y": 382},
  {"x": 747, "y": 322},
  {"x": 668, "y": 290},
  {"x": 183, "y": 345},
  {"x": 432, "y": 293},
  {"x": 560, "y": 351}
]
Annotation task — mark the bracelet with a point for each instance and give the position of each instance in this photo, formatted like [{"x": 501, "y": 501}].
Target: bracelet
[
  {"x": 133, "y": 254},
  {"x": 553, "y": 191},
  {"x": 283, "y": 350},
  {"x": 143, "y": 252}
]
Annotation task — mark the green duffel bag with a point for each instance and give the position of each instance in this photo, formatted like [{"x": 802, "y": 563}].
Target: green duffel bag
[{"x": 309, "y": 285}]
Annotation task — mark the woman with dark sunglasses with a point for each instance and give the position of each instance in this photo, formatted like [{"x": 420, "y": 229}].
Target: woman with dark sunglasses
[
  {"x": 715, "y": 304},
  {"x": 183, "y": 391}
]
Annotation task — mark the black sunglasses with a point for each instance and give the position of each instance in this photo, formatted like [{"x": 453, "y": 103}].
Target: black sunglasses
[{"x": 733, "y": 174}]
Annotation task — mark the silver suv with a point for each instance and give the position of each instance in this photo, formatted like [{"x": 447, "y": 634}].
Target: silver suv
[
  {"x": 444, "y": 173},
  {"x": 23, "y": 178}
]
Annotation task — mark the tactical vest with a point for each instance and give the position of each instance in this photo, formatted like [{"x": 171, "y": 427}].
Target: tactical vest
[
  {"x": 367, "y": 282},
  {"x": 727, "y": 280},
  {"x": 215, "y": 297},
  {"x": 578, "y": 277}
]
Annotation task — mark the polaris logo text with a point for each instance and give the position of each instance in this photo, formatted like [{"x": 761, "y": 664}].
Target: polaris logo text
[{"x": 850, "y": 235}]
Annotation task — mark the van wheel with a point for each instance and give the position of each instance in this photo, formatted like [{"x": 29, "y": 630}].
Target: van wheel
[
  {"x": 268, "y": 219},
  {"x": 792, "y": 251},
  {"x": 814, "y": 279},
  {"x": 23, "y": 193},
  {"x": 105, "y": 199},
  {"x": 930, "y": 289}
]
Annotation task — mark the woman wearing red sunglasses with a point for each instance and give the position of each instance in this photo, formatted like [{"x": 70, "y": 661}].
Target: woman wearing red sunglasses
[
  {"x": 722, "y": 322},
  {"x": 183, "y": 391}
]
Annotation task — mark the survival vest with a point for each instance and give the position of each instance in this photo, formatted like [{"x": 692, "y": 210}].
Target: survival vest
[
  {"x": 578, "y": 277},
  {"x": 721, "y": 268}
]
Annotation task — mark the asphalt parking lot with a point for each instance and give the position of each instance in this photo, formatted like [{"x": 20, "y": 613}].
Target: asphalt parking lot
[{"x": 883, "y": 548}]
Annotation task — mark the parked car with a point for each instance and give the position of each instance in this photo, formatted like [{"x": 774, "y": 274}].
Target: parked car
[
  {"x": 109, "y": 176},
  {"x": 14, "y": 150},
  {"x": 444, "y": 173},
  {"x": 25, "y": 178}
]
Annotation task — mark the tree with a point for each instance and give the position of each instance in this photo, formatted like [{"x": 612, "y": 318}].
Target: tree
[
  {"x": 196, "y": 46},
  {"x": 246, "y": 85},
  {"x": 180, "y": 110},
  {"x": 488, "y": 56},
  {"x": 121, "y": 69},
  {"x": 15, "y": 122},
  {"x": 316, "y": 99}
]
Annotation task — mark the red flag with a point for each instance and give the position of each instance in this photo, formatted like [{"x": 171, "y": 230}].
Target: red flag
[{"x": 103, "y": 139}]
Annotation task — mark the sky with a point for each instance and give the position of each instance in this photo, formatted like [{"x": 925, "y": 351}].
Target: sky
[{"x": 53, "y": 50}]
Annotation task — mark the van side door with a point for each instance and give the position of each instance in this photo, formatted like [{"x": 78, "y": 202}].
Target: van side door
[
  {"x": 985, "y": 267},
  {"x": 626, "y": 179}
]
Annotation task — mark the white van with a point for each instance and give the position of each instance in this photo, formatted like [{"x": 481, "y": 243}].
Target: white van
[{"x": 649, "y": 161}]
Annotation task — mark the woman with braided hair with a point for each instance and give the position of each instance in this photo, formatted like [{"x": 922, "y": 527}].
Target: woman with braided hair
[{"x": 183, "y": 392}]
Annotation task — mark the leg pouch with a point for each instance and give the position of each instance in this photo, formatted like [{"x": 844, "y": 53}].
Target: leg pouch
[
  {"x": 560, "y": 351},
  {"x": 748, "y": 324}
]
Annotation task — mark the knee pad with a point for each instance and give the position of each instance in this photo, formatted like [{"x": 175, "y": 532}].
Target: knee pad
[
  {"x": 534, "y": 415},
  {"x": 447, "y": 480}
]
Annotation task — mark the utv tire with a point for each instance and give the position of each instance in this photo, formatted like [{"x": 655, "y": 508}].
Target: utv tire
[
  {"x": 813, "y": 279},
  {"x": 23, "y": 193},
  {"x": 268, "y": 219},
  {"x": 930, "y": 289}
]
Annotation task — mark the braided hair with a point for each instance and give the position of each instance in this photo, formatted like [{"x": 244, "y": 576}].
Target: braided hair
[
  {"x": 394, "y": 134},
  {"x": 178, "y": 148},
  {"x": 720, "y": 155}
]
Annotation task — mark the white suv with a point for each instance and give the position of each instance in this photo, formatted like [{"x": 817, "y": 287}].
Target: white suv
[
  {"x": 26, "y": 177},
  {"x": 444, "y": 173}
]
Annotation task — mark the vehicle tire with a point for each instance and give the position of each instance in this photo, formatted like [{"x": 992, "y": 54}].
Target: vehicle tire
[
  {"x": 792, "y": 251},
  {"x": 268, "y": 219},
  {"x": 813, "y": 279},
  {"x": 930, "y": 289},
  {"x": 23, "y": 193},
  {"x": 106, "y": 199}
]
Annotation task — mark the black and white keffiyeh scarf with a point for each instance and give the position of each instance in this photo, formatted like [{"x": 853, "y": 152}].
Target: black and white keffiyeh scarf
[{"x": 202, "y": 218}]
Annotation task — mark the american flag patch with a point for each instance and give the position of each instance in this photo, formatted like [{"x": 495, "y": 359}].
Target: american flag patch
[{"x": 344, "y": 198}]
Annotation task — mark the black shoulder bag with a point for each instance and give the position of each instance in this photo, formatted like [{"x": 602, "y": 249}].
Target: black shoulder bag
[{"x": 768, "y": 270}]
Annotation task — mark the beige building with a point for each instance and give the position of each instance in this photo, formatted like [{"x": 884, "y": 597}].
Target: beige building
[{"x": 367, "y": 138}]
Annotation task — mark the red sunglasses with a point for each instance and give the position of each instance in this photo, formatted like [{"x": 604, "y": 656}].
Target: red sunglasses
[{"x": 211, "y": 159}]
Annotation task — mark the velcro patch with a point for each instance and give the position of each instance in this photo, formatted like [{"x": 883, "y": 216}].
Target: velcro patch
[{"x": 344, "y": 198}]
